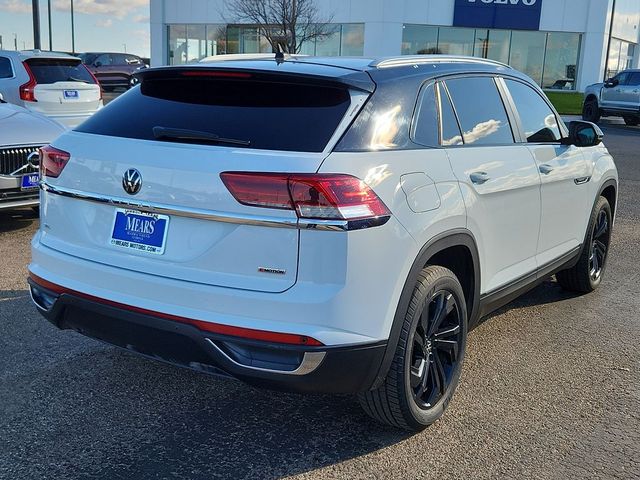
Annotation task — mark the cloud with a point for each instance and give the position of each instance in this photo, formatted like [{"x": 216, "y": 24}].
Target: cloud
[
  {"x": 15, "y": 6},
  {"x": 142, "y": 19},
  {"x": 115, "y": 8},
  {"x": 104, "y": 23}
]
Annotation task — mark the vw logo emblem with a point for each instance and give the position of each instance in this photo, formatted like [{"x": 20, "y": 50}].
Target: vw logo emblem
[{"x": 132, "y": 181}]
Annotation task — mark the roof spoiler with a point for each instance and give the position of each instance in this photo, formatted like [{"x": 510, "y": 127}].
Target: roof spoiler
[{"x": 285, "y": 72}]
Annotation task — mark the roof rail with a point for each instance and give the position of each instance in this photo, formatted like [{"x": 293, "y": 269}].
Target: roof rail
[{"x": 405, "y": 60}]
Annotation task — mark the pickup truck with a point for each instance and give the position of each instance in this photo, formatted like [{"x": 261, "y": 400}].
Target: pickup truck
[{"x": 618, "y": 97}]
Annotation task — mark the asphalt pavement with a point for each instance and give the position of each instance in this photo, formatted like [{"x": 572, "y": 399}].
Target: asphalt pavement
[{"x": 550, "y": 389}]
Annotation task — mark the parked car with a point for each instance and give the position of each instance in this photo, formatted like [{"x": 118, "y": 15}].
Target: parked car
[
  {"x": 22, "y": 133},
  {"x": 563, "y": 84},
  {"x": 114, "y": 70},
  {"x": 54, "y": 84},
  {"x": 617, "y": 97},
  {"x": 319, "y": 224}
]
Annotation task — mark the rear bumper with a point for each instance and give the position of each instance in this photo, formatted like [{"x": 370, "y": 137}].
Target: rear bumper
[{"x": 298, "y": 368}]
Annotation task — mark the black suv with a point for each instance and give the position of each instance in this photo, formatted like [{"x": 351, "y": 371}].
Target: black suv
[{"x": 113, "y": 69}]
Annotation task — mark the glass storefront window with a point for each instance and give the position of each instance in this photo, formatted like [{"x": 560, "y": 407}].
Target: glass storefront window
[
  {"x": 216, "y": 39},
  {"x": 352, "y": 40},
  {"x": 551, "y": 59},
  {"x": 328, "y": 46},
  {"x": 527, "y": 53},
  {"x": 493, "y": 44},
  {"x": 177, "y": 35},
  {"x": 196, "y": 43},
  {"x": 561, "y": 61},
  {"x": 456, "y": 41},
  {"x": 419, "y": 39}
]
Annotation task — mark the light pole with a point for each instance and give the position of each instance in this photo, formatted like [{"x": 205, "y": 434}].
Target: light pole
[
  {"x": 15, "y": 41},
  {"x": 35, "y": 8},
  {"x": 73, "y": 31},
  {"x": 50, "y": 34}
]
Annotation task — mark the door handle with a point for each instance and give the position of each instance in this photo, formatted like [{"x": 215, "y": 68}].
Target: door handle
[
  {"x": 546, "y": 169},
  {"x": 479, "y": 177}
]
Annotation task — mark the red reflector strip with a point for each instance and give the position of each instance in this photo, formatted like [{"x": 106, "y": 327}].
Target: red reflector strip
[
  {"x": 248, "y": 333},
  {"x": 208, "y": 73}
]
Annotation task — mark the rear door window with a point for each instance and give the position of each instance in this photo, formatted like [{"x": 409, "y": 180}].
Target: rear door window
[
  {"x": 5, "y": 68},
  {"x": 261, "y": 114},
  {"x": 480, "y": 110},
  {"x": 52, "y": 70},
  {"x": 539, "y": 123}
]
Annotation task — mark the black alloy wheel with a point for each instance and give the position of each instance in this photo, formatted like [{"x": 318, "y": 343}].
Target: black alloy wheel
[
  {"x": 435, "y": 349},
  {"x": 586, "y": 275},
  {"x": 599, "y": 245}
]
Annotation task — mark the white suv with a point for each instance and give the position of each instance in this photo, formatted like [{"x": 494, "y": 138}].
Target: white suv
[
  {"x": 53, "y": 84},
  {"x": 314, "y": 224}
]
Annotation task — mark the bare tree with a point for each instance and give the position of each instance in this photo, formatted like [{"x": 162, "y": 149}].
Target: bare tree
[{"x": 286, "y": 24}]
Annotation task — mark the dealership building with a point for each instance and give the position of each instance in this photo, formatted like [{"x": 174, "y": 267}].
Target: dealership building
[{"x": 561, "y": 44}]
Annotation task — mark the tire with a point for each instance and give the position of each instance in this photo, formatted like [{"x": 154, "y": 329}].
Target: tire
[
  {"x": 632, "y": 121},
  {"x": 423, "y": 362},
  {"x": 587, "y": 274},
  {"x": 36, "y": 210},
  {"x": 591, "y": 111}
]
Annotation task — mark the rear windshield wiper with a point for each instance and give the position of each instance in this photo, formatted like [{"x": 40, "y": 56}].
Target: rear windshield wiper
[
  {"x": 195, "y": 135},
  {"x": 74, "y": 79}
]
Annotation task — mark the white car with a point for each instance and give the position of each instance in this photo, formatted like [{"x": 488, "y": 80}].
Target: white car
[
  {"x": 22, "y": 133},
  {"x": 319, "y": 224},
  {"x": 54, "y": 84}
]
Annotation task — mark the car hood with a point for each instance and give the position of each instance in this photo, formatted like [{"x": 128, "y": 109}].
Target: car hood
[{"x": 18, "y": 126}]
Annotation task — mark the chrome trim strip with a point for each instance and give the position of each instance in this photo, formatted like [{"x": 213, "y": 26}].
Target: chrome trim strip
[
  {"x": 310, "y": 361},
  {"x": 212, "y": 215},
  {"x": 164, "y": 209}
]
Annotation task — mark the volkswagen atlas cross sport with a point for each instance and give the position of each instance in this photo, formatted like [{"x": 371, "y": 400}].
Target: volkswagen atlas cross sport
[{"x": 319, "y": 224}]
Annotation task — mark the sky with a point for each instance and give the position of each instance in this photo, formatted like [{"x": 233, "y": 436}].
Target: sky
[{"x": 100, "y": 25}]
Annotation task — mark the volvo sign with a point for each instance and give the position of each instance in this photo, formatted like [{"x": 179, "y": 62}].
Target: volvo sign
[{"x": 508, "y": 14}]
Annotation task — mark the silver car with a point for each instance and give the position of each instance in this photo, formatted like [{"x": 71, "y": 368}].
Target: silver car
[
  {"x": 21, "y": 134},
  {"x": 54, "y": 84}
]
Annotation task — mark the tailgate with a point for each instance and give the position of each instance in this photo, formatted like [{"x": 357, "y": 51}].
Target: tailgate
[
  {"x": 66, "y": 97},
  {"x": 187, "y": 178}
]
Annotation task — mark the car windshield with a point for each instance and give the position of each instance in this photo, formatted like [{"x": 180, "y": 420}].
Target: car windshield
[{"x": 52, "y": 70}]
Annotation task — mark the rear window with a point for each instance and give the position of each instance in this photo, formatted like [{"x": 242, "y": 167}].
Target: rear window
[
  {"x": 264, "y": 115},
  {"x": 49, "y": 70}
]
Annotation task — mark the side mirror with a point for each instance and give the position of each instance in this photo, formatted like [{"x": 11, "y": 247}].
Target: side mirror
[
  {"x": 97, "y": 64},
  {"x": 1, "y": 98},
  {"x": 583, "y": 134},
  {"x": 612, "y": 82}
]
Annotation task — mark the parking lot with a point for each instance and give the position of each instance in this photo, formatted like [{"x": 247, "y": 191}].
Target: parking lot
[{"x": 550, "y": 389}]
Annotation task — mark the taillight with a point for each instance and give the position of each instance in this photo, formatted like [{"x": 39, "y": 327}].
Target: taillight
[
  {"x": 27, "y": 89},
  {"x": 95, "y": 80},
  {"x": 52, "y": 161},
  {"x": 311, "y": 196}
]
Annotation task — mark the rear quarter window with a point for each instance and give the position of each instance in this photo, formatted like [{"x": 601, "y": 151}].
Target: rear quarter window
[
  {"x": 269, "y": 115},
  {"x": 5, "y": 68}
]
